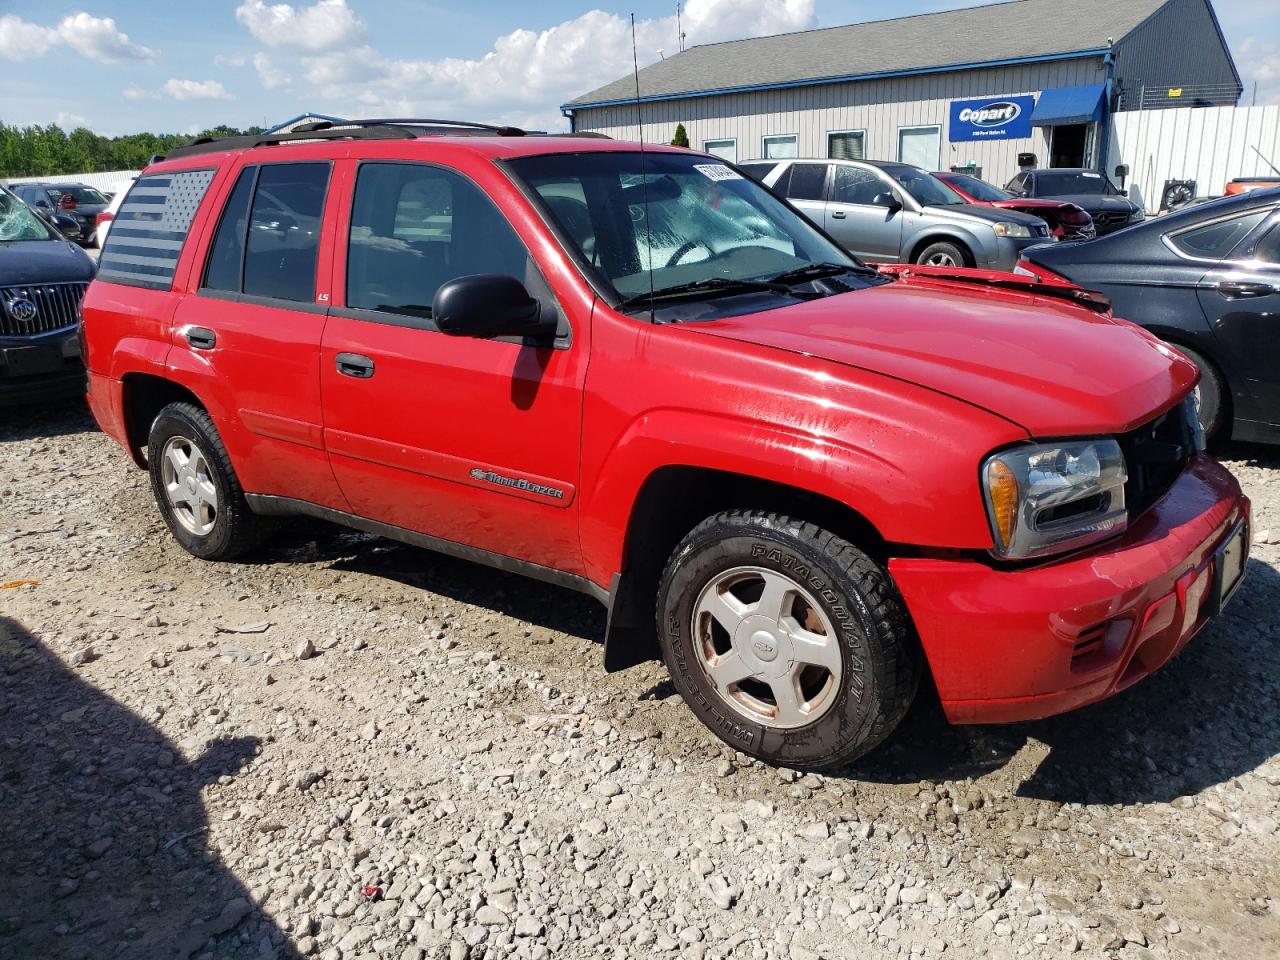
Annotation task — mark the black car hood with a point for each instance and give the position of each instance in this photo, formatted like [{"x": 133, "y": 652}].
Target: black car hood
[
  {"x": 43, "y": 261},
  {"x": 1097, "y": 203}
]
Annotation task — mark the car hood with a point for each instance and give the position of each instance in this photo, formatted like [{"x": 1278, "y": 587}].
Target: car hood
[
  {"x": 43, "y": 261},
  {"x": 1052, "y": 368},
  {"x": 1026, "y": 203},
  {"x": 975, "y": 211},
  {"x": 1096, "y": 203}
]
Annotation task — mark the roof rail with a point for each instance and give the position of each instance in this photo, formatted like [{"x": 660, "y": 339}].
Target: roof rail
[{"x": 502, "y": 131}]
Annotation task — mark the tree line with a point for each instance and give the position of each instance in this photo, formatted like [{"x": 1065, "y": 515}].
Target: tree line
[{"x": 37, "y": 151}]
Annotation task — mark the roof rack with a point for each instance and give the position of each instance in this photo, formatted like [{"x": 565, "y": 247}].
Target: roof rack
[{"x": 395, "y": 128}]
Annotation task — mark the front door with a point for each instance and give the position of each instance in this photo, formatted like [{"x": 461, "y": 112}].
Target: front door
[
  {"x": 254, "y": 320},
  {"x": 868, "y": 231},
  {"x": 466, "y": 440}
]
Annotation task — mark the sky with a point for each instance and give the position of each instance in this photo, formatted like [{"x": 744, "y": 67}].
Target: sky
[{"x": 124, "y": 66}]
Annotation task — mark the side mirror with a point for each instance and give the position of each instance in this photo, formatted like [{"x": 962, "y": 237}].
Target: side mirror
[
  {"x": 67, "y": 225},
  {"x": 888, "y": 201},
  {"x": 489, "y": 305},
  {"x": 44, "y": 205}
]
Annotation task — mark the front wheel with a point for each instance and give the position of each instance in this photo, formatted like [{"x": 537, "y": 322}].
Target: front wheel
[
  {"x": 1212, "y": 395},
  {"x": 943, "y": 254},
  {"x": 791, "y": 644}
]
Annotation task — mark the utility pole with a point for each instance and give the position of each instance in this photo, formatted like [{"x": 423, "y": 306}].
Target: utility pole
[{"x": 679, "y": 30}]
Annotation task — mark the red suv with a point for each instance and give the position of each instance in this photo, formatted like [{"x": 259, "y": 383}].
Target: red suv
[{"x": 639, "y": 374}]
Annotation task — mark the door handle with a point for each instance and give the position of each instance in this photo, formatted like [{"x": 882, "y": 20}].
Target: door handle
[
  {"x": 201, "y": 338},
  {"x": 837, "y": 214},
  {"x": 1245, "y": 289},
  {"x": 355, "y": 365}
]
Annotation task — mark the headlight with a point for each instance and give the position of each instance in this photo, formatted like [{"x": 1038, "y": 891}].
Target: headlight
[
  {"x": 1015, "y": 230},
  {"x": 1136, "y": 215},
  {"x": 1191, "y": 412},
  {"x": 1049, "y": 498}
]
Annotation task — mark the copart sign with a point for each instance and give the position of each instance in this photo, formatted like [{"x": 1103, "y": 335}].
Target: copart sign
[{"x": 996, "y": 118}]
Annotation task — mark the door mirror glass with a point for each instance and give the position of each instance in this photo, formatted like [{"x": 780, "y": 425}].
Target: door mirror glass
[
  {"x": 888, "y": 201},
  {"x": 489, "y": 305}
]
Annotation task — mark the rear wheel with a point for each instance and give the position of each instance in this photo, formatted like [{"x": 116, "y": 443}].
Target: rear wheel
[
  {"x": 196, "y": 487},
  {"x": 943, "y": 253},
  {"x": 1213, "y": 400},
  {"x": 787, "y": 641}
]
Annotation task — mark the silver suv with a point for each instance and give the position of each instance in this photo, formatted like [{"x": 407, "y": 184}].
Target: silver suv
[{"x": 897, "y": 213}]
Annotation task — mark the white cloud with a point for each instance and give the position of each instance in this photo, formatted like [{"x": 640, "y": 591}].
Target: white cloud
[
  {"x": 272, "y": 77},
  {"x": 69, "y": 121},
  {"x": 20, "y": 40},
  {"x": 135, "y": 92},
  {"x": 1259, "y": 62},
  {"x": 97, "y": 38},
  {"x": 195, "y": 90},
  {"x": 527, "y": 74},
  {"x": 321, "y": 26},
  {"x": 229, "y": 60}
]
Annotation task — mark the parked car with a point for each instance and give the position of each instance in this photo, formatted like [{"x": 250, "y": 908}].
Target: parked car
[
  {"x": 42, "y": 278},
  {"x": 641, "y": 375},
  {"x": 1245, "y": 184},
  {"x": 108, "y": 215},
  {"x": 1110, "y": 208},
  {"x": 897, "y": 213},
  {"x": 83, "y": 203},
  {"x": 1067, "y": 221},
  {"x": 1206, "y": 279}
]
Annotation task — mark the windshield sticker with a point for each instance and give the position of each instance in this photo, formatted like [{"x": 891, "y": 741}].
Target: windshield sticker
[{"x": 716, "y": 171}]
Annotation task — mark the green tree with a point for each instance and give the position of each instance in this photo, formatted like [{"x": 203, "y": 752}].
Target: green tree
[
  {"x": 681, "y": 139},
  {"x": 37, "y": 151}
]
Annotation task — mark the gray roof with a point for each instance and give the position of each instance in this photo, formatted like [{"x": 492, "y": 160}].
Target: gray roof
[{"x": 1016, "y": 30}]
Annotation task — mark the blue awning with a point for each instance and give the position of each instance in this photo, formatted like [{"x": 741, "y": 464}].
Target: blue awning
[{"x": 1063, "y": 105}]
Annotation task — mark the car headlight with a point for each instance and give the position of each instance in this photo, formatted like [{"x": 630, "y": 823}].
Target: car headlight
[
  {"x": 1191, "y": 413},
  {"x": 1049, "y": 498},
  {"x": 1016, "y": 230},
  {"x": 1136, "y": 215}
]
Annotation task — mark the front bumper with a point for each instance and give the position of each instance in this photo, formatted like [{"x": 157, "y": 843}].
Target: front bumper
[
  {"x": 1018, "y": 644},
  {"x": 40, "y": 368}
]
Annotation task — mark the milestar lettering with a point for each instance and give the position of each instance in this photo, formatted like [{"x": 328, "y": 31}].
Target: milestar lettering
[{"x": 516, "y": 483}]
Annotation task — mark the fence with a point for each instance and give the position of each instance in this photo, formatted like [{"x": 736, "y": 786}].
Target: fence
[
  {"x": 1210, "y": 145},
  {"x": 110, "y": 181}
]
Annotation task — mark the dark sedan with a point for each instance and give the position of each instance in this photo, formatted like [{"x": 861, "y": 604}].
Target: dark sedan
[
  {"x": 42, "y": 279},
  {"x": 1110, "y": 208},
  {"x": 1206, "y": 279}
]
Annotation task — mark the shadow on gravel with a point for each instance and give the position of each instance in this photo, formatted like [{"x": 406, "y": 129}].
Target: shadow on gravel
[
  {"x": 58, "y": 419},
  {"x": 543, "y": 604},
  {"x": 102, "y": 845},
  {"x": 1211, "y": 714}
]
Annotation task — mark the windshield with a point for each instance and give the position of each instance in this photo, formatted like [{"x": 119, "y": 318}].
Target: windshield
[
  {"x": 660, "y": 220},
  {"x": 1065, "y": 184},
  {"x": 927, "y": 189},
  {"x": 78, "y": 194},
  {"x": 980, "y": 189},
  {"x": 18, "y": 222}
]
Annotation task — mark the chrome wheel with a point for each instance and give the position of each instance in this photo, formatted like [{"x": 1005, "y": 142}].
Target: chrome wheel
[
  {"x": 941, "y": 260},
  {"x": 188, "y": 485},
  {"x": 767, "y": 646}
]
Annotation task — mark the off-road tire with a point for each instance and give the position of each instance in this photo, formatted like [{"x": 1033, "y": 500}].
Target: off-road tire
[
  {"x": 880, "y": 650},
  {"x": 236, "y": 528}
]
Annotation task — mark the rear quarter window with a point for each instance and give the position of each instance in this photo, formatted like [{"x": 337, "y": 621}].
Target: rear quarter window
[{"x": 150, "y": 227}]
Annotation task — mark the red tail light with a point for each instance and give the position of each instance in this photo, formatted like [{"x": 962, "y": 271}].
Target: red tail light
[
  {"x": 105, "y": 216},
  {"x": 67, "y": 202}
]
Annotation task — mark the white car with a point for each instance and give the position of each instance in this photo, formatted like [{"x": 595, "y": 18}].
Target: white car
[{"x": 107, "y": 216}]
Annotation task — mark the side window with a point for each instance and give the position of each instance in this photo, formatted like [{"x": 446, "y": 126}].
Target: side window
[
  {"x": 808, "y": 181},
  {"x": 149, "y": 229},
  {"x": 1268, "y": 248},
  {"x": 226, "y": 256},
  {"x": 1017, "y": 184},
  {"x": 1213, "y": 241},
  {"x": 857, "y": 186},
  {"x": 284, "y": 231},
  {"x": 414, "y": 227}
]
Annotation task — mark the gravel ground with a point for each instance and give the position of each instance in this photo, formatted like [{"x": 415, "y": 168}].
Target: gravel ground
[{"x": 350, "y": 748}]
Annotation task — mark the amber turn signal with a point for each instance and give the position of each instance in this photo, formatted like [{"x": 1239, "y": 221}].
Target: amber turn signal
[{"x": 1002, "y": 488}]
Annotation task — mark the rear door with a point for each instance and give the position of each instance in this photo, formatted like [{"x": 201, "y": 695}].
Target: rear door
[
  {"x": 471, "y": 441},
  {"x": 806, "y": 187},
  {"x": 255, "y": 325},
  {"x": 868, "y": 231},
  {"x": 1241, "y": 299}
]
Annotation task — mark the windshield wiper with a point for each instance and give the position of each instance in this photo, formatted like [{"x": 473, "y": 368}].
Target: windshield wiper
[
  {"x": 816, "y": 271},
  {"x": 696, "y": 288}
]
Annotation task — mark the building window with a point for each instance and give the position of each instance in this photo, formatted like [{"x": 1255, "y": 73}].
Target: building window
[
  {"x": 781, "y": 147},
  {"x": 920, "y": 146},
  {"x": 846, "y": 144},
  {"x": 724, "y": 149}
]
